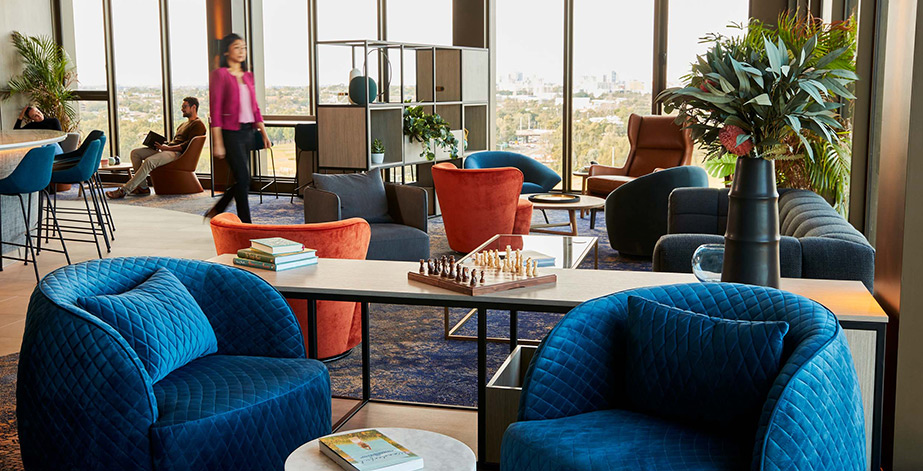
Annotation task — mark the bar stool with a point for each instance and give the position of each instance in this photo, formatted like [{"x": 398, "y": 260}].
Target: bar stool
[
  {"x": 83, "y": 173},
  {"x": 33, "y": 174}
]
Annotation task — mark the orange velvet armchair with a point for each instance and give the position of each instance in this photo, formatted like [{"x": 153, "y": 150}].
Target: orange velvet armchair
[
  {"x": 480, "y": 203},
  {"x": 178, "y": 177},
  {"x": 338, "y": 323},
  {"x": 656, "y": 143}
]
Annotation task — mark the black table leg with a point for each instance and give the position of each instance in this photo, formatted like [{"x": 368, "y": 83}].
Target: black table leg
[
  {"x": 514, "y": 330},
  {"x": 592, "y": 219},
  {"x": 312, "y": 328},
  {"x": 366, "y": 354},
  {"x": 482, "y": 383}
]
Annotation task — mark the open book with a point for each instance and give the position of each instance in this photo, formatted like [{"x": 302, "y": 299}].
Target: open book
[{"x": 153, "y": 138}]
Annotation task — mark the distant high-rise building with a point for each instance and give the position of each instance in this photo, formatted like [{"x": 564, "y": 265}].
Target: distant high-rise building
[{"x": 613, "y": 77}]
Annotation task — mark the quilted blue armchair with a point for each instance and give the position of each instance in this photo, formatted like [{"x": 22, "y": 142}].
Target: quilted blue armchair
[
  {"x": 578, "y": 409},
  {"x": 90, "y": 397},
  {"x": 537, "y": 178}
]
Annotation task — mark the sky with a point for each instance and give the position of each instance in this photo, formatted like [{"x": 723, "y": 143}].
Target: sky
[{"x": 609, "y": 35}]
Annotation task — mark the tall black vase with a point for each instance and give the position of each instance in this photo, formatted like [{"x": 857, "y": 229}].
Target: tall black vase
[{"x": 751, "y": 242}]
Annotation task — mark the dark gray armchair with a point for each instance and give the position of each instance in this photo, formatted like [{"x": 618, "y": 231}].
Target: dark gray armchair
[
  {"x": 816, "y": 241},
  {"x": 636, "y": 212},
  {"x": 397, "y": 214}
]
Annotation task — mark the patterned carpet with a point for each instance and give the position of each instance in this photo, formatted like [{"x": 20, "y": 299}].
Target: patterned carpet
[{"x": 411, "y": 360}]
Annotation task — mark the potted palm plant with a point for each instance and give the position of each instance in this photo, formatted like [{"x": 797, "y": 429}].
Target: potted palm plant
[
  {"x": 761, "y": 96},
  {"x": 47, "y": 78}
]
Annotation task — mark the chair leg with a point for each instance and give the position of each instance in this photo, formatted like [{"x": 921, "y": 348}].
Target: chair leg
[
  {"x": 86, "y": 203},
  {"x": 546, "y": 216},
  {"x": 1, "y": 233},
  {"x": 105, "y": 201},
  {"x": 54, "y": 218},
  {"x": 25, "y": 218},
  {"x": 99, "y": 215}
]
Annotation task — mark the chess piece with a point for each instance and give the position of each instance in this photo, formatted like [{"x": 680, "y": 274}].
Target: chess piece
[
  {"x": 474, "y": 281},
  {"x": 482, "y": 277},
  {"x": 430, "y": 267},
  {"x": 422, "y": 268},
  {"x": 458, "y": 276},
  {"x": 465, "y": 274},
  {"x": 535, "y": 268},
  {"x": 528, "y": 265}
]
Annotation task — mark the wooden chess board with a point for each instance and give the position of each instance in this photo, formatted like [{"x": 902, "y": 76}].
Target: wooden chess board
[{"x": 495, "y": 280}]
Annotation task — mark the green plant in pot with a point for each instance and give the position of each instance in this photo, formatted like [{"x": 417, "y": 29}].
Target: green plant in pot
[
  {"x": 378, "y": 151},
  {"x": 429, "y": 130},
  {"x": 47, "y": 78},
  {"x": 760, "y": 97}
]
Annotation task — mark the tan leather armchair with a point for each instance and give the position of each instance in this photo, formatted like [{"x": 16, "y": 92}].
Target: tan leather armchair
[
  {"x": 178, "y": 177},
  {"x": 656, "y": 143}
]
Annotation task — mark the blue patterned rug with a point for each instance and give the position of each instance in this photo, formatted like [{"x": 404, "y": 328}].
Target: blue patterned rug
[{"x": 411, "y": 360}]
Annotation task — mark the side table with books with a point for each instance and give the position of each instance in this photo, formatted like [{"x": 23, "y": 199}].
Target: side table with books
[{"x": 365, "y": 450}]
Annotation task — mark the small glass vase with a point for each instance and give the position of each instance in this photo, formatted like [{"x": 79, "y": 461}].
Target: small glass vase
[{"x": 707, "y": 262}]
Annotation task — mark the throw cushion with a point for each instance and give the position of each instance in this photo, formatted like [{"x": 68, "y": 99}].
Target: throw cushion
[
  {"x": 692, "y": 367},
  {"x": 160, "y": 320},
  {"x": 362, "y": 195}
]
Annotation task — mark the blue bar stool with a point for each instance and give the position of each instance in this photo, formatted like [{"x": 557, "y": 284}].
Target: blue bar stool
[
  {"x": 81, "y": 170},
  {"x": 33, "y": 174}
]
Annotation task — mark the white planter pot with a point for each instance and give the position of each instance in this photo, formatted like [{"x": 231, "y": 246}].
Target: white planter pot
[
  {"x": 378, "y": 158},
  {"x": 413, "y": 149}
]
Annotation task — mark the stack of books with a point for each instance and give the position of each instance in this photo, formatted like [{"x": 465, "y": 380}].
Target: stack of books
[{"x": 275, "y": 254}]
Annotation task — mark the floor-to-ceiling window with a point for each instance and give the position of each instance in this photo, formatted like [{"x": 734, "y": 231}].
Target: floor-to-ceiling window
[
  {"x": 189, "y": 63},
  {"x": 89, "y": 58},
  {"x": 530, "y": 79},
  {"x": 610, "y": 80},
  {"x": 138, "y": 71}
]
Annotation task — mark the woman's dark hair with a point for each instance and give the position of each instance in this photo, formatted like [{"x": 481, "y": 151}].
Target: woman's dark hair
[{"x": 225, "y": 47}]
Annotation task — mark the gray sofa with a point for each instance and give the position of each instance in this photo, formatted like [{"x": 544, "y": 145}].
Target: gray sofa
[{"x": 816, "y": 241}]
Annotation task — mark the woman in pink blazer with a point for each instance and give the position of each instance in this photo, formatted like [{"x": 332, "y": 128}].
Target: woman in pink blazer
[{"x": 235, "y": 115}]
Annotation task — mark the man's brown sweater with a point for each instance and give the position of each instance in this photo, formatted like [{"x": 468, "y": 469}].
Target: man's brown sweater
[{"x": 186, "y": 131}]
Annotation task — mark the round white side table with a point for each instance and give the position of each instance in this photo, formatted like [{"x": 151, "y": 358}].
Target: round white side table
[{"x": 439, "y": 452}]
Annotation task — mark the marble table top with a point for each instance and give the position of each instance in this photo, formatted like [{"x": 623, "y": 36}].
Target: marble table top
[
  {"x": 16, "y": 139},
  {"x": 439, "y": 452}
]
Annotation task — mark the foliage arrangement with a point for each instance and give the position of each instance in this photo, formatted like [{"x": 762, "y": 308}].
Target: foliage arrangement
[
  {"x": 427, "y": 128},
  {"x": 775, "y": 92},
  {"x": 378, "y": 147},
  {"x": 47, "y": 78}
]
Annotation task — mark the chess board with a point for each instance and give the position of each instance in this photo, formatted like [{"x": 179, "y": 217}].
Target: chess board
[{"x": 495, "y": 280}]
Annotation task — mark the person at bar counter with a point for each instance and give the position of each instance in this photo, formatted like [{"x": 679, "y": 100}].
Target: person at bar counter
[
  {"x": 236, "y": 122},
  {"x": 32, "y": 118},
  {"x": 145, "y": 160}
]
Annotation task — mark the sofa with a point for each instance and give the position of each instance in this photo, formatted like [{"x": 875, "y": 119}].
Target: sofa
[
  {"x": 816, "y": 241},
  {"x": 656, "y": 143},
  {"x": 698, "y": 380},
  {"x": 152, "y": 363}
]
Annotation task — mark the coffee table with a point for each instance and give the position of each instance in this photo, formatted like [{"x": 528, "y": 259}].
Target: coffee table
[
  {"x": 568, "y": 252},
  {"x": 583, "y": 203},
  {"x": 439, "y": 452}
]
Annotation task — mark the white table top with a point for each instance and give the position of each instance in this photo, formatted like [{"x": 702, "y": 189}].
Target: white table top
[
  {"x": 439, "y": 452},
  {"x": 584, "y": 202},
  {"x": 387, "y": 280},
  {"x": 19, "y": 138}
]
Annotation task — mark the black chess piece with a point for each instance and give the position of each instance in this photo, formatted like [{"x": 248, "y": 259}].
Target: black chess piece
[
  {"x": 474, "y": 281},
  {"x": 422, "y": 268},
  {"x": 482, "y": 277},
  {"x": 430, "y": 267},
  {"x": 458, "y": 276},
  {"x": 465, "y": 274}
]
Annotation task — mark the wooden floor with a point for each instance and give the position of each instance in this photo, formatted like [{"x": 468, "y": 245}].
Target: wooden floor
[{"x": 144, "y": 231}]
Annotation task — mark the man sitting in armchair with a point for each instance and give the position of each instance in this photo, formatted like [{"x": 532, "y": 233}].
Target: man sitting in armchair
[{"x": 145, "y": 160}]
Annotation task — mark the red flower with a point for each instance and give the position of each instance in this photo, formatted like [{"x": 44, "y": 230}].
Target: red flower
[
  {"x": 728, "y": 137},
  {"x": 704, "y": 85}
]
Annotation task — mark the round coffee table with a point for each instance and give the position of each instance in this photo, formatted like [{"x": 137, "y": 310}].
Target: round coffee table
[
  {"x": 585, "y": 202},
  {"x": 439, "y": 452}
]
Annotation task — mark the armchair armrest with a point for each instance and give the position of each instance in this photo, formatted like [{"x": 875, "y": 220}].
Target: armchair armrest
[
  {"x": 84, "y": 400},
  {"x": 407, "y": 205},
  {"x": 697, "y": 211},
  {"x": 248, "y": 315},
  {"x": 596, "y": 170},
  {"x": 320, "y": 206}
]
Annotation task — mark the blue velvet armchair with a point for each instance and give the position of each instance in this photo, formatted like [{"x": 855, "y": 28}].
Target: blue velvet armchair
[
  {"x": 86, "y": 401},
  {"x": 573, "y": 410},
  {"x": 537, "y": 178}
]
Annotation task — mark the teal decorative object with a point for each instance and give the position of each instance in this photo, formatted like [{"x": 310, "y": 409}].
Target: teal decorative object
[{"x": 357, "y": 90}]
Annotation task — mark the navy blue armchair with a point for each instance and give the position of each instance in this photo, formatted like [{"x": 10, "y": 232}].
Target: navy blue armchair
[
  {"x": 573, "y": 410},
  {"x": 537, "y": 178},
  {"x": 86, "y": 401},
  {"x": 636, "y": 212}
]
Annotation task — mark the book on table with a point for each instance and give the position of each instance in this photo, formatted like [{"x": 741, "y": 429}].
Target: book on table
[
  {"x": 246, "y": 262},
  {"x": 276, "y": 245},
  {"x": 368, "y": 450},
  {"x": 259, "y": 256}
]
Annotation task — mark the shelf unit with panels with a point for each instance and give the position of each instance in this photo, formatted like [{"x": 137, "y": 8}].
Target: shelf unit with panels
[{"x": 447, "y": 80}]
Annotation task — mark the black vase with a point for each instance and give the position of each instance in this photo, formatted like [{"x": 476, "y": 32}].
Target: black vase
[{"x": 751, "y": 242}]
